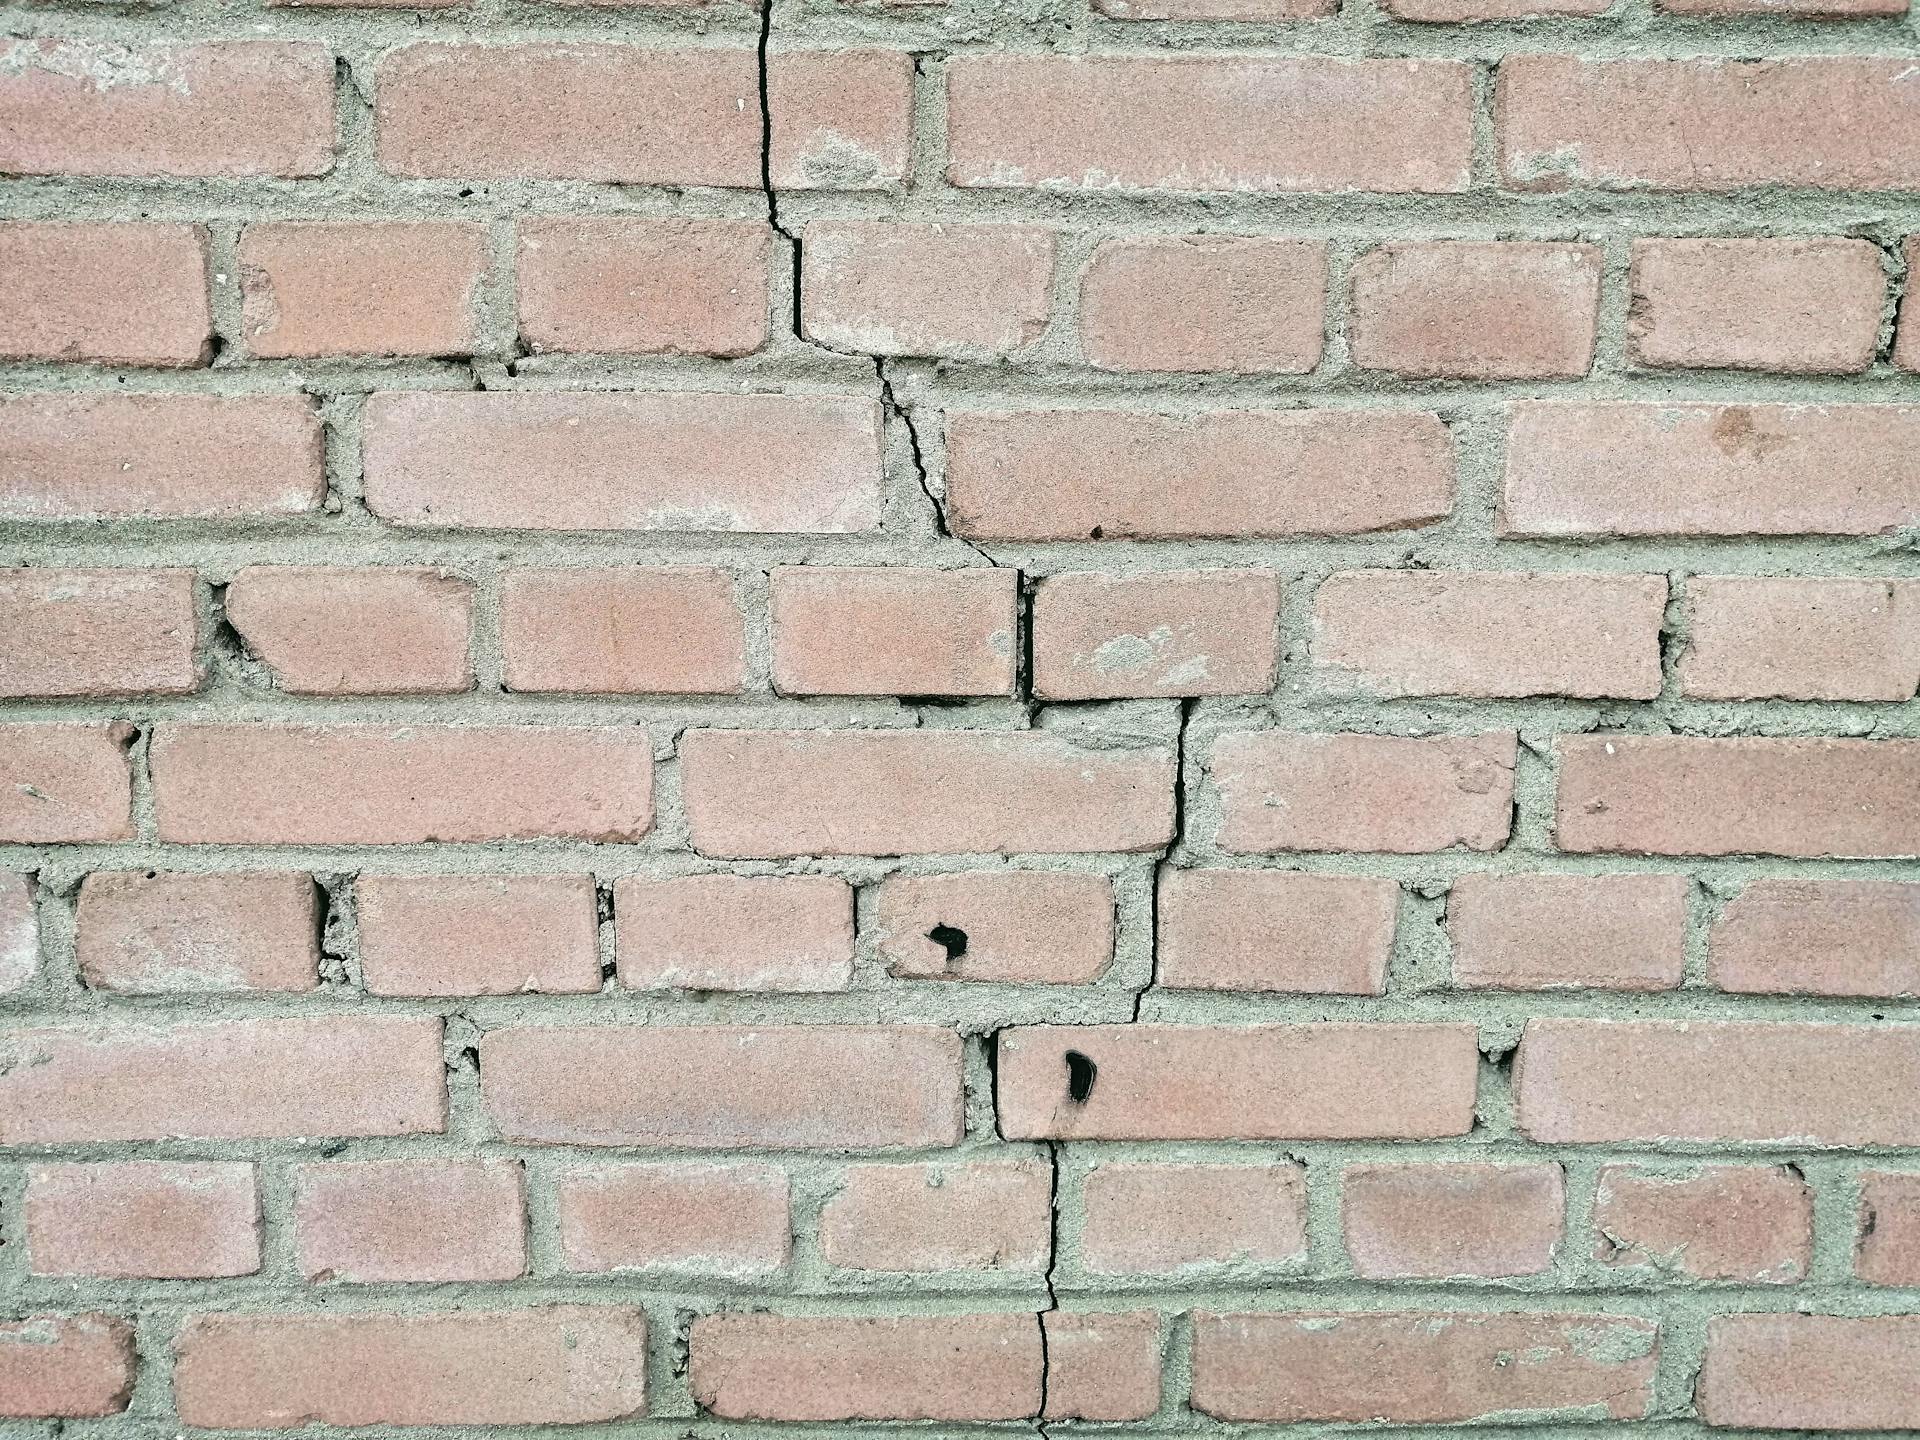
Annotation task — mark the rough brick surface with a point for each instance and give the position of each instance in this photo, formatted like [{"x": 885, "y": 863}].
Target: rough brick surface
[
  {"x": 1749, "y": 1223},
  {"x": 143, "y": 1219},
  {"x": 1818, "y": 937},
  {"x": 1153, "y": 1219},
  {"x": 327, "y": 631},
  {"x": 20, "y": 933},
  {"x": 146, "y": 932},
  {"x": 98, "y": 632},
  {"x": 1275, "y": 930},
  {"x": 892, "y": 631},
  {"x": 990, "y": 1215},
  {"x": 730, "y": 1220},
  {"x": 114, "y": 294},
  {"x": 1022, "y": 926},
  {"x": 1568, "y": 932},
  {"x": 65, "y": 1367},
  {"x": 1198, "y": 632},
  {"x": 372, "y": 1220},
  {"x": 734, "y": 932},
  {"x": 1441, "y": 1221},
  {"x": 340, "y": 289},
  {"x": 1820, "y": 1372},
  {"x": 477, "y": 934},
  {"x": 670, "y": 631}
]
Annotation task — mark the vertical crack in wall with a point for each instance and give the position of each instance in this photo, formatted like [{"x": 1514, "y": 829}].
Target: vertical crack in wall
[{"x": 1053, "y": 1294}]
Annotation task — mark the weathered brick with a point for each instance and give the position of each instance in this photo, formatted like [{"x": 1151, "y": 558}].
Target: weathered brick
[
  {"x": 110, "y": 294},
  {"x": 978, "y": 1215},
  {"x": 1282, "y": 790},
  {"x": 803, "y": 463},
  {"x": 137, "y": 1219},
  {"x": 675, "y": 630},
  {"x": 1588, "y": 1081},
  {"x": 1248, "y": 304},
  {"x": 1102, "y": 1366},
  {"x": 1256, "y": 124},
  {"x": 61, "y": 783},
  {"x": 1837, "y": 9},
  {"x": 552, "y": 1365},
  {"x": 893, "y": 288},
  {"x": 98, "y": 632},
  {"x": 771, "y": 793},
  {"x": 893, "y": 630},
  {"x": 1811, "y": 1372},
  {"x": 1422, "y": 1366},
  {"x": 1688, "y": 469},
  {"x": 335, "y": 1075},
  {"x": 146, "y": 932},
  {"x": 943, "y": 1367},
  {"x": 1786, "y": 306},
  {"x": 1020, "y": 926},
  {"x": 1906, "y": 345},
  {"x": 162, "y": 457},
  {"x": 1476, "y": 310},
  {"x": 1568, "y": 932},
  {"x": 478, "y": 934},
  {"x": 1166, "y": 1219},
  {"x": 66, "y": 1366},
  {"x": 841, "y": 119},
  {"x": 1252, "y": 1082},
  {"x": 730, "y": 1220},
  {"x": 1274, "y": 930},
  {"x": 1755, "y": 638},
  {"x": 781, "y": 933},
  {"x": 1187, "y": 632},
  {"x": 1249, "y": 474},
  {"x": 1458, "y": 12},
  {"x": 317, "y": 288},
  {"x": 1784, "y": 936},
  {"x": 1887, "y": 1240},
  {"x": 20, "y": 933},
  {"x": 225, "y": 108},
  {"x": 435, "y": 1219},
  {"x": 1748, "y": 1223},
  {"x": 832, "y": 1087},
  {"x": 1678, "y": 795},
  {"x": 1438, "y": 1221},
  {"x": 378, "y": 630},
  {"x": 1261, "y": 11},
  {"x": 371, "y": 785}
]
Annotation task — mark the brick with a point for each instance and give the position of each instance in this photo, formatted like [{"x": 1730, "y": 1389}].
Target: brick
[
  {"x": 1810, "y": 1085},
  {"x": 1253, "y": 305},
  {"x": 1786, "y": 306},
  {"x": 615, "y": 113},
  {"x": 146, "y": 932},
  {"x": 321, "y": 288},
  {"x": 1838, "y": 9},
  {"x": 1672, "y": 795},
  {"x": 160, "y": 457},
  {"x": 19, "y": 933},
  {"x": 226, "y": 108},
  {"x": 1492, "y": 634},
  {"x": 842, "y": 119},
  {"x": 1785, "y": 936},
  {"x": 622, "y": 286},
  {"x": 434, "y": 1219},
  {"x": 1754, "y": 638},
  {"x": 1274, "y": 930},
  {"x": 730, "y": 1220},
  {"x": 1746, "y": 1223},
  {"x": 944, "y": 1367},
  {"x": 781, "y": 933},
  {"x": 1887, "y": 1240},
  {"x": 1102, "y": 1366},
  {"x": 980, "y": 1215},
  {"x": 1422, "y": 1366},
  {"x": 1437, "y": 1221},
  {"x": 1476, "y": 310},
  {"x": 893, "y": 630},
  {"x": 1283, "y": 791},
  {"x": 478, "y": 934},
  {"x": 893, "y": 288},
  {"x": 769, "y": 793},
  {"x": 1467, "y": 12},
  {"x": 1616, "y": 469},
  {"x": 66, "y": 1366},
  {"x": 62, "y": 783},
  {"x": 799, "y": 463},
  {"x": 370, "y": 785},
  {"x": 1257, "y": 11},
  {"x": 1323, "y": 1081},
  {"x": 1243, "y": 474},
  {"x": 109, "y": 294},
  {"x": 1256, "y": 125},
  {"x": 1024, "y": 927},
  {"x": 1157, "y": 1219},
  {"x": 226, "y": 1079},
  {"x": 1830, "y": 122},
  {"x": 1811, "y": 1372},
  {"x": 143, "y": 1220},
  {"x": 1192, "y": 632},
  {"x": 1906, "y": 345},
  {"x": 827, "y": 1087},
  {"x": 551, "y": 1365},
  {"x": 676, "y": 630},
  {"x": 1568, "y": 932},
  {"x": 98, "y": 632},
  {"x": 327, "y": 630}
]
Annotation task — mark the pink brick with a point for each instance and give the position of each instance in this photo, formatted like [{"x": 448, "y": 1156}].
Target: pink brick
[
  {"x": 1438, "y": 1221},
  {"x": 1158, "y": 1219},
  {"x": 982, "y": 1215},
  {"x": 893, "y": 630},
  {"x": 323, "y": 630},
  {"x": 842, "y": 119},
  {"x": 1783, "y": 936},
  {"x": 1906, "y": 345},
  {"x": 1466, "y": 12},
  {"x": 143, "y": 1220},
  {"x": 156, "y": 932},
  {"x": 735, "y": 932},
  {"x": 98, "y": 632},
  {"x": 67, "y": 782},
  {"x": 674, "y": 631},
  {"x": 1747, "y": 1223},
  {"x": 1018, "y": 926},
  {"x": 1811, "y": 1372},
  {"x": 1260, "y": 11},
  {"x": 432, "y": 1219},
  {"x": 66, "y": 1366},
  {"x": 1274, "y": 930},
  {"x": 730, "y": 1220},
  {"x": 362, "y": 288},
  {"x": 1191, "y": 632},
  {"x": 19, "y": 933},
  {"x": 1887, "y": 1241},
  {"x": 478, "y": 934},
  {"x": 1102, "y": 1366},
  {"x": 1753, "y": 638},
  {"x": 1568, "y": 932},
  {"x": 110, "y": 294}
]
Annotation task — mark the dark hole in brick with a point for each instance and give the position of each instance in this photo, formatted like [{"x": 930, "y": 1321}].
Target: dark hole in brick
[
  {"x": 949, "y": 939},
  {"x": 1097, "y": 533},
  {"x": 1080, "y": 1073}
]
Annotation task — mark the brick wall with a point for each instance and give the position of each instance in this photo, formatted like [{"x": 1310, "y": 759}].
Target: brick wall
[{"x": 1187, "y": 713}]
